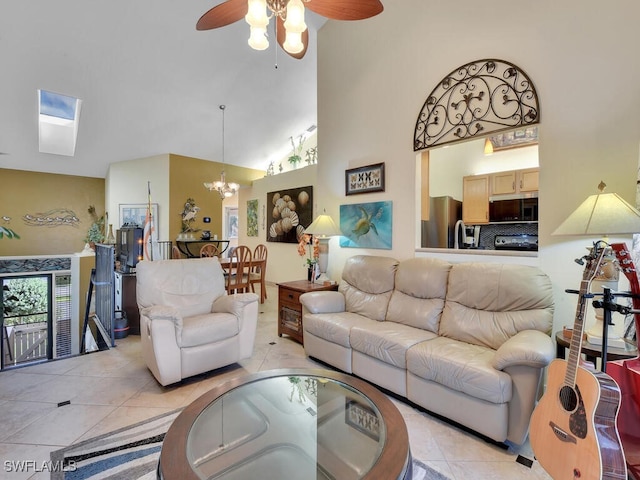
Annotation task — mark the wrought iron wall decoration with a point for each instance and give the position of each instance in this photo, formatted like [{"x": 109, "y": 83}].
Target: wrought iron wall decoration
[{"x": 476, "y": 99}]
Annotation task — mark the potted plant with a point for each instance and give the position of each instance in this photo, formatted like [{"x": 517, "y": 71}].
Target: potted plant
[
  {"x": 295, "y": 157},
  {"x": 95, "y": 234}
]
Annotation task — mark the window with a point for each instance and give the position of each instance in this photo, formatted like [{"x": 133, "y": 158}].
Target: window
[{"x": 58, "y": 118}]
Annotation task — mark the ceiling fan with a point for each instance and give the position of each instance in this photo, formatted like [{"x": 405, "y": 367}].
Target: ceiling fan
[{"x": 291, "y": 31}]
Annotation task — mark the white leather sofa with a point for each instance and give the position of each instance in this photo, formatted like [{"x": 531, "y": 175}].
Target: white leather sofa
[
  {"x": 467, "y": 341},
  {"x": 188, "y": 324}
]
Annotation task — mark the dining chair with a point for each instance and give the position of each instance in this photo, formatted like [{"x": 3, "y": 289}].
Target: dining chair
[
  {"x": 239, "y": 270},
  {"x": 209, "y": 250},
  {"x": 176, "y": 254},
  {"x": 258, "y": 270}
]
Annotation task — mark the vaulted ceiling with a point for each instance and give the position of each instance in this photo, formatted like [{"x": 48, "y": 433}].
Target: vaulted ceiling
[{"x": 149, "y": 83}]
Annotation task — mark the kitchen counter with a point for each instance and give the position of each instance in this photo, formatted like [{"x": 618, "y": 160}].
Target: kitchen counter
[{"x": 480, "y": 255}]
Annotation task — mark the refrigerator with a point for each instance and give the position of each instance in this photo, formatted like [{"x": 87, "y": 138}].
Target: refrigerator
[{"x": 439, "y": 230}]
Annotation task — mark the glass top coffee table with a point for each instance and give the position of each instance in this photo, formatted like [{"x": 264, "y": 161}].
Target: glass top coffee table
[{"x": 294, "y": 424}]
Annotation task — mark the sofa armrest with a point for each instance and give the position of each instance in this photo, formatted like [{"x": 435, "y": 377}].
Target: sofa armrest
[
  {"x": 234, "y": 304},
  {"x": 529, "y": 347},
  {"x": 162, "y": 312},
  {"x": 323, "y": 302}
]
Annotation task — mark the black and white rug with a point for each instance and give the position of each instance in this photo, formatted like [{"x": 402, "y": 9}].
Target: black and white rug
[{"x": 132, "y": 453}]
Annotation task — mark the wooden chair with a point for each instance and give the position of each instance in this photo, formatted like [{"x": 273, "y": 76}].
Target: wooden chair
[
  {"x": 239, "y": 270},
  {"x": 209, "y": 250},
  {"x": 176, "y": 254},
  {"x": 258, "y": 271}
]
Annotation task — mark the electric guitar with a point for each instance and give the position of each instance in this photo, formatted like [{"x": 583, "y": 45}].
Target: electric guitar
[
  {"x": 627, "y": 374},
  {"x": 573, "y": 428}
]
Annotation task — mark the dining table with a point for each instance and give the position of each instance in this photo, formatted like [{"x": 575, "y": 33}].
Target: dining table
[{"x": 191, "y": 247}]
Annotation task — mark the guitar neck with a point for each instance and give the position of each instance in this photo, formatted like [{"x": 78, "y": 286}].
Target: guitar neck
[
  {"x": 577, "y": 335},
  {"x": 625, "y": 264}
]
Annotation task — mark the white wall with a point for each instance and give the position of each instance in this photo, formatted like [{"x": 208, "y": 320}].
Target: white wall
[
  {"x": 374, "y": 76},
  {"x": 126, "y": 182},
  {"x": 283, "y": 262}
]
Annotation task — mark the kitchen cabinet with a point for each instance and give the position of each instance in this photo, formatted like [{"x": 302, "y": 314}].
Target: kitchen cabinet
[
  {"x": 475, "y": 199},
  {"x": 514, "y": 181}
]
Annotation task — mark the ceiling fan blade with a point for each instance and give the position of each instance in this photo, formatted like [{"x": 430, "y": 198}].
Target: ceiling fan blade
[
  {"x": 281, "y": 36},
  {"x": 223, "y": 14},
  {"x": 345, "y": 9}
]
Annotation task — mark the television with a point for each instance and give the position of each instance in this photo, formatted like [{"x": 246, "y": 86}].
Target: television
[{"x": 130, "y": 249}]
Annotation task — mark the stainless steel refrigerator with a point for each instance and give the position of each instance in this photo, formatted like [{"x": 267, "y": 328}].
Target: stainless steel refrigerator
[{"x": 439, "y": 230}]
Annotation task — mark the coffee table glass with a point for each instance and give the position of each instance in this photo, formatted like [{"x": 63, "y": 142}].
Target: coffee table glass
[{"x": 293, "y": 424}]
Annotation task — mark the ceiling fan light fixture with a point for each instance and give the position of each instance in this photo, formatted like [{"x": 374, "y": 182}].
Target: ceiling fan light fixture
[
  {"x": 257, "y": 13},
  {"x": 258, "y": 38},
  {"x": 295, "y": 17},
  {"x": 293, "y": 43}
]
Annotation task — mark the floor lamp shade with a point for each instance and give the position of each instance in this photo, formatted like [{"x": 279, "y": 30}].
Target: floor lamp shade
[
  {"x": 323, "y": 228},
  {"x": 602, "y": 214}
]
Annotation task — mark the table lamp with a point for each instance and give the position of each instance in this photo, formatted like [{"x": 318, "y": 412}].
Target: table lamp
[
  {"x": 602, "y": 214},
  {"x": 323, "y": 227}
]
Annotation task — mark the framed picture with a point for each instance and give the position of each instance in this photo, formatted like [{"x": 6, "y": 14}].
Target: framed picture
[
  {"x": 252, "y": 218},
  {"x": 288, "y": 213},
  {"x": 515, "y": 139},
  {"x": 362, "y": 418},
  {"x": 136, "y": 213},
  {"x": 366, "y": 225},
  {"x": 364, "y": 179}
]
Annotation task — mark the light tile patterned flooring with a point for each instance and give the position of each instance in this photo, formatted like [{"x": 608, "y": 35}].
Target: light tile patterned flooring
[{"x": 111, "y": 389}]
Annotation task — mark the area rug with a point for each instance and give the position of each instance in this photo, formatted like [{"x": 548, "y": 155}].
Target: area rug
[{"x": 132, "y": 453}]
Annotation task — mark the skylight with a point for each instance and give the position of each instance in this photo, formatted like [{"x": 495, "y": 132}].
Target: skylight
[{"x": 58, "y": 117}]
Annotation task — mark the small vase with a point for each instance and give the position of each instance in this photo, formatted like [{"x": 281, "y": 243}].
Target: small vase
[
  {"x": 310, "y": 273},
  {"x": 111, "y": 239}
]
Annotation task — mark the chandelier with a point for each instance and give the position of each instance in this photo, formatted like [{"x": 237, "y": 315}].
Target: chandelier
[{"x": 221, "y": 186}]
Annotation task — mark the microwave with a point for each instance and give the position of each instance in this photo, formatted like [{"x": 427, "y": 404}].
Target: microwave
[{"x": 513, "y": 209}]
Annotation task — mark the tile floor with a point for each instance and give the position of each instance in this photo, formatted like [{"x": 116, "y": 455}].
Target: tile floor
[{"x": 111, "y": 389}]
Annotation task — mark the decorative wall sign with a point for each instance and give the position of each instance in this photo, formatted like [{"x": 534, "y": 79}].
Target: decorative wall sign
[
  {"x": 366, "y": 225},
  {"x": 364, "y": 179},
  {"x": 362, "y": 418},
  {"x": 289, "y": 213},
  {"x": 252, "y": 218},
  {"x": 53, "y": 218}
]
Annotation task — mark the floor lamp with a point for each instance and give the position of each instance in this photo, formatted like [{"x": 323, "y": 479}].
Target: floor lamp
[
  {"x": 602, "y": 214},
  {"x": 323, "y": 228}
]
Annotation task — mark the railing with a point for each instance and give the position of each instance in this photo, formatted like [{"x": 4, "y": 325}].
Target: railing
[{"x": 25, "y": 342}]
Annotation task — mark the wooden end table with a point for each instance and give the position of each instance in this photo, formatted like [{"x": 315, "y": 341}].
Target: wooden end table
[
  {"x": 592, "y": 352},
  {"x": 290, "y": 308}
]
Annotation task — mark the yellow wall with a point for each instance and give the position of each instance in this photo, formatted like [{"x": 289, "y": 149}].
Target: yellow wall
[
  {"x": 46, "y": 195},
  {"x": 187, "y": 176}
]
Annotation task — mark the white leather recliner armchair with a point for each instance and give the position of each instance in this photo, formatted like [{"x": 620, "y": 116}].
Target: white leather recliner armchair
[{"x": 188, "y": 324}]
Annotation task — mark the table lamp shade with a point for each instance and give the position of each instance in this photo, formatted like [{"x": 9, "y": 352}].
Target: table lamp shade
[
  {"x": 323, "y": 226},
  {"x": 601, "y": 214}
]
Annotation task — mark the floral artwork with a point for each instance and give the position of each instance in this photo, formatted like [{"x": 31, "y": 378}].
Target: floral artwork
[
  {"x": 289, "y": 212},
  {"x": 366, "y": 225},
  {"x": 252, "y": 218}
]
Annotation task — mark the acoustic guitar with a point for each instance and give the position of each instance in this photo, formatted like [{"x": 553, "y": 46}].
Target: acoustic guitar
[
  {"x": 573, "y": 428},
  {"x": 627, "y": 374}
]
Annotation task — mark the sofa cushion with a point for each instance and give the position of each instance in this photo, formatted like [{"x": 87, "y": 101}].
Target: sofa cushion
[
  {"x": 486, "y": 304},
  {"x": 367, "y": 284},
  {"x": 460, "y": 366},
  {"x": 199, "y": 330},
  {"x": 420, "y": 290},
  {"x": 334, "y": 327},
  {"x": 387, "y": 341}
]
